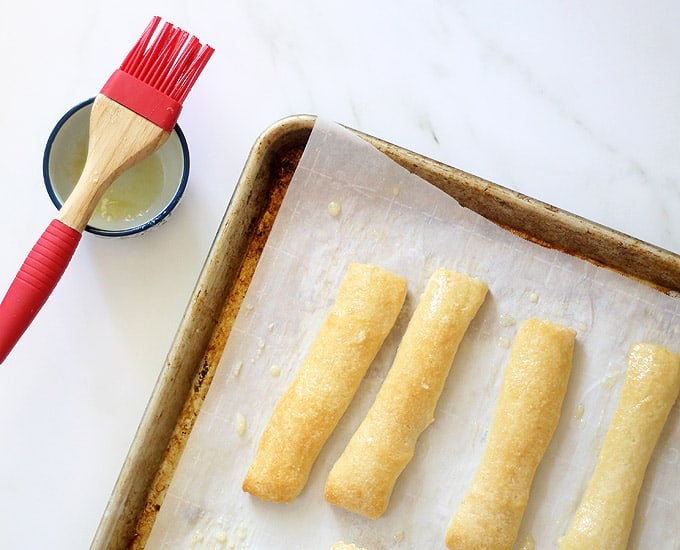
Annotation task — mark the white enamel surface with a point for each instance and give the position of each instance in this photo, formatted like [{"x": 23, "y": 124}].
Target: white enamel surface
[{"x": 574, "y": 104}]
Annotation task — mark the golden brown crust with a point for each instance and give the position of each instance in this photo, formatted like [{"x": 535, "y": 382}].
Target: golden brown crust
[
  {"x": 367, "y": 304},
  {"x": 363, "y": 478},
  {"x": 527, "y": 413},
  {"x": 605, "y": 516}
]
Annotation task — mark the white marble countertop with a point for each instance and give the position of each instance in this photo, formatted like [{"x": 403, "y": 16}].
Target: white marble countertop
[{"x": 577, "y": 105}]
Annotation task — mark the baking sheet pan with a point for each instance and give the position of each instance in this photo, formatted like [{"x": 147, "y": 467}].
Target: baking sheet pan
[{"x": 229, "y": 268}]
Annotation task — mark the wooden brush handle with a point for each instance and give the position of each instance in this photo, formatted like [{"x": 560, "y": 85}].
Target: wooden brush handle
[
  {"x": 118, "y": 139},
  {"x": 37, "y": 277}
]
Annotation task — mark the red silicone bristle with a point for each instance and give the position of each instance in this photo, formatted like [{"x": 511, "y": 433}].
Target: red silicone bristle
[
  {"x": 132, "y": 58},
  {"x": 170, "y": 63}
]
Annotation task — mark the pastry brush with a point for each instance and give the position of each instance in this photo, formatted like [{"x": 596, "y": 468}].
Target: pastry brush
[{"x": 131, "y": 117}]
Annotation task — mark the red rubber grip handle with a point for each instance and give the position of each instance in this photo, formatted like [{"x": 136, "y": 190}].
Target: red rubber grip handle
[{"x": 35, "y": 281}]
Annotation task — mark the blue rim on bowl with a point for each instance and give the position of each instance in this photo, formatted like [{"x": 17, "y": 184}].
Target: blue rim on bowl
[{"x": 68, "y": 142}]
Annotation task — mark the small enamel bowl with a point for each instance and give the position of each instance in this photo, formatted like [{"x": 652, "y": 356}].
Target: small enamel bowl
[{"x": 139, "y": 199}]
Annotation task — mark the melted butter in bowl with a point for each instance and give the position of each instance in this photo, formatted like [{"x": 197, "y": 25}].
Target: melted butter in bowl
[{"x": 138, "y": 199}]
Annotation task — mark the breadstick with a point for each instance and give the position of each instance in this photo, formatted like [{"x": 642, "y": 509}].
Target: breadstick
[
  {"x": 345, "y": 546},
  {"x": 604, "y": 518},
  {"x": 363, "y": 478},
  {"x": 367, "y": 304},
  {"x": 526, "y": 415}
]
